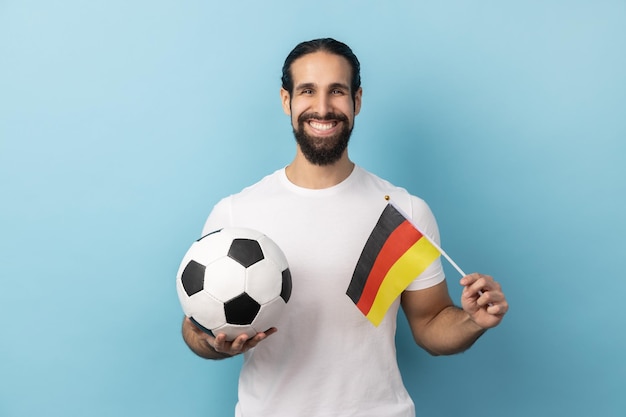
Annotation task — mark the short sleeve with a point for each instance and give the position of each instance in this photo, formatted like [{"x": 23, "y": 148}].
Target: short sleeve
[{"x": 424, "y": 218}]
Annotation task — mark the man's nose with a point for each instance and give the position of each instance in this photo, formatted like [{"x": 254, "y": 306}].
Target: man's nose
[{"x": 323, "y": 105}]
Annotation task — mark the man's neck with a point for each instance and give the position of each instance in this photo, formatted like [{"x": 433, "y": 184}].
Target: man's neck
[{"x": 307, "y": 175}]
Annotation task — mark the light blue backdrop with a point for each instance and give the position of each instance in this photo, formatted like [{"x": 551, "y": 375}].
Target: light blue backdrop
[{"x": 122, "y": 123}]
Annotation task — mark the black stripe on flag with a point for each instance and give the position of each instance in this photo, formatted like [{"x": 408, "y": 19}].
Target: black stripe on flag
[{"x": 389, "y": 221}]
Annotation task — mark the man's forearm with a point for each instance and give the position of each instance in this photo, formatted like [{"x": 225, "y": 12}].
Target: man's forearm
[{"x": 451, "y": 331}]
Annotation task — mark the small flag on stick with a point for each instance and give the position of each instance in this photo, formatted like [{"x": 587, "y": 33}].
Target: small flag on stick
[{"x": 395, "y": 253}]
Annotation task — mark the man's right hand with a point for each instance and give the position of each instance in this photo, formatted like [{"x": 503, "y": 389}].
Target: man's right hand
[{"x": 209, "y": 347}]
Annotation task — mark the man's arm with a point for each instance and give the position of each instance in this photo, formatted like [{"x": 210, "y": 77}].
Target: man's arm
[
  {"x": 440, "y": 327},
  {"x": 209, "y": 347}
]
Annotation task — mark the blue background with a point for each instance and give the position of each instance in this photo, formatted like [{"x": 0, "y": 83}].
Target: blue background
[{"x": 122, "y": 123}]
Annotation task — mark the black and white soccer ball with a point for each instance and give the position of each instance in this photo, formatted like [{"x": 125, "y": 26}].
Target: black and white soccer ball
[{"x": 234, "y": 281}]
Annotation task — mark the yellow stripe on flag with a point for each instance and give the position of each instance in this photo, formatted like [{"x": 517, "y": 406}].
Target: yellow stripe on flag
[{"x": 412, "y": 263}]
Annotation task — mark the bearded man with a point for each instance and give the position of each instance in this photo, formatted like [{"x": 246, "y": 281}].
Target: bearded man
[{"x": 324, "y": 358}]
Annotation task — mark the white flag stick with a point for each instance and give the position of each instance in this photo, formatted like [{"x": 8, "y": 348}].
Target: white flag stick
[{"x": 432, "y": 242}]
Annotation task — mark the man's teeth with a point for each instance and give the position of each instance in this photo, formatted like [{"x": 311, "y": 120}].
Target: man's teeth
[{"x": 322, "y": 126}]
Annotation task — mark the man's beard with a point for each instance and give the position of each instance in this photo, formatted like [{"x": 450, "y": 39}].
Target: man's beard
[{"x": 322, "y": 150}]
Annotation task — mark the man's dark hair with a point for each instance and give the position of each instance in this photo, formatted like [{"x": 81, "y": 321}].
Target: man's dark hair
[{"x": 329, "y": 45}]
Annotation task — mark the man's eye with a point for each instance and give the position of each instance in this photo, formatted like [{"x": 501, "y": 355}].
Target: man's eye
[
  {"x": 307, "y": 91},
  {"x": 337, "y": 92}
]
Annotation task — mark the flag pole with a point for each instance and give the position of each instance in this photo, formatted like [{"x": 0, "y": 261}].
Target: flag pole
[{"x": 432, "y": 242}]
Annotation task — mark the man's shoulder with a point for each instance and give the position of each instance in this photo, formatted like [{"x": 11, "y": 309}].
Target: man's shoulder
[
  {"x": 232, "y": 208},
  {"x": 268, "y": 182},
  {"x": 409, "y": 202},
  {"x": 373, "y": 180}
]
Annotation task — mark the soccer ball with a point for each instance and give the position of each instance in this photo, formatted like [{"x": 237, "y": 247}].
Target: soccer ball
[{"x": 234, "y": 281}]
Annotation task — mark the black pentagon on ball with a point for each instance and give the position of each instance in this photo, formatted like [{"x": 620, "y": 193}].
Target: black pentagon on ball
[
  {"x": 285, "y": 292},
  {"x": 192, "y": 277},
  {"x": 245, "y": 251},
  {"x": 241, "y": 309}
]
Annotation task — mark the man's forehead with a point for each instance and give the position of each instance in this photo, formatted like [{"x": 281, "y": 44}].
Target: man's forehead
[{"x": 321, "y": 67}]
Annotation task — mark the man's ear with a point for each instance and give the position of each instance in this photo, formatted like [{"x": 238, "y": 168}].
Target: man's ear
[
  {"x": 285, "y": 99},
  {"x": 357, "y": 101}
]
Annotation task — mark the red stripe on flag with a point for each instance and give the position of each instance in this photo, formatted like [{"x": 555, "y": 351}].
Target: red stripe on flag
[{"x": 399, "y": 241}]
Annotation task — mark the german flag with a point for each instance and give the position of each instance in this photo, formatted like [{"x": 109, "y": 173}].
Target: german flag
[{"x": 394, "y": 255}]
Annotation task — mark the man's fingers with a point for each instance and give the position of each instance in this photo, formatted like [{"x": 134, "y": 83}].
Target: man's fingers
[
  {"x": 479, "y": 283},
  {"x": 241, "y": 343},
  {"x": 219, "y": 344}
]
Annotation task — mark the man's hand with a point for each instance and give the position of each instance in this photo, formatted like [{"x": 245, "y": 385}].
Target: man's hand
[
  {"x": 483, "y": 300},
  {"x": 240, "y": 344},
  {"x": 217, "y": 347}
]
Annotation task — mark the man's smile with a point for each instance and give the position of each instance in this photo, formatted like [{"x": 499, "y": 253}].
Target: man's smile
[{"x": 322, "y": 125}]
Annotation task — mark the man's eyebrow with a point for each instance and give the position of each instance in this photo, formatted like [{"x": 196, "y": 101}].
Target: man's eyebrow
[
  {"x": 340, "y": 85},
  {"x": 304, "y": 86}
]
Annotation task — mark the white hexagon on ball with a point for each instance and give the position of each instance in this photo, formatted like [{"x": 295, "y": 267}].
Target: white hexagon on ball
[
  {"x": 261, "y": 283},
  {"x": 224, "y": 279},
  {"x": 273, "y": 253},
  {"x": 208, "y": 249},
  {"x": 205, "y": 309},
  {"x": 269, "y": 314}
]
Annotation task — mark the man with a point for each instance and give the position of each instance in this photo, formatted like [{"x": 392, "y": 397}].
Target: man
[{"x": 325, "y": 358}]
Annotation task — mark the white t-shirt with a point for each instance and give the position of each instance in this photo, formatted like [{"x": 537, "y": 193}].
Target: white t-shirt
[{"x": 326, "y": 359}]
